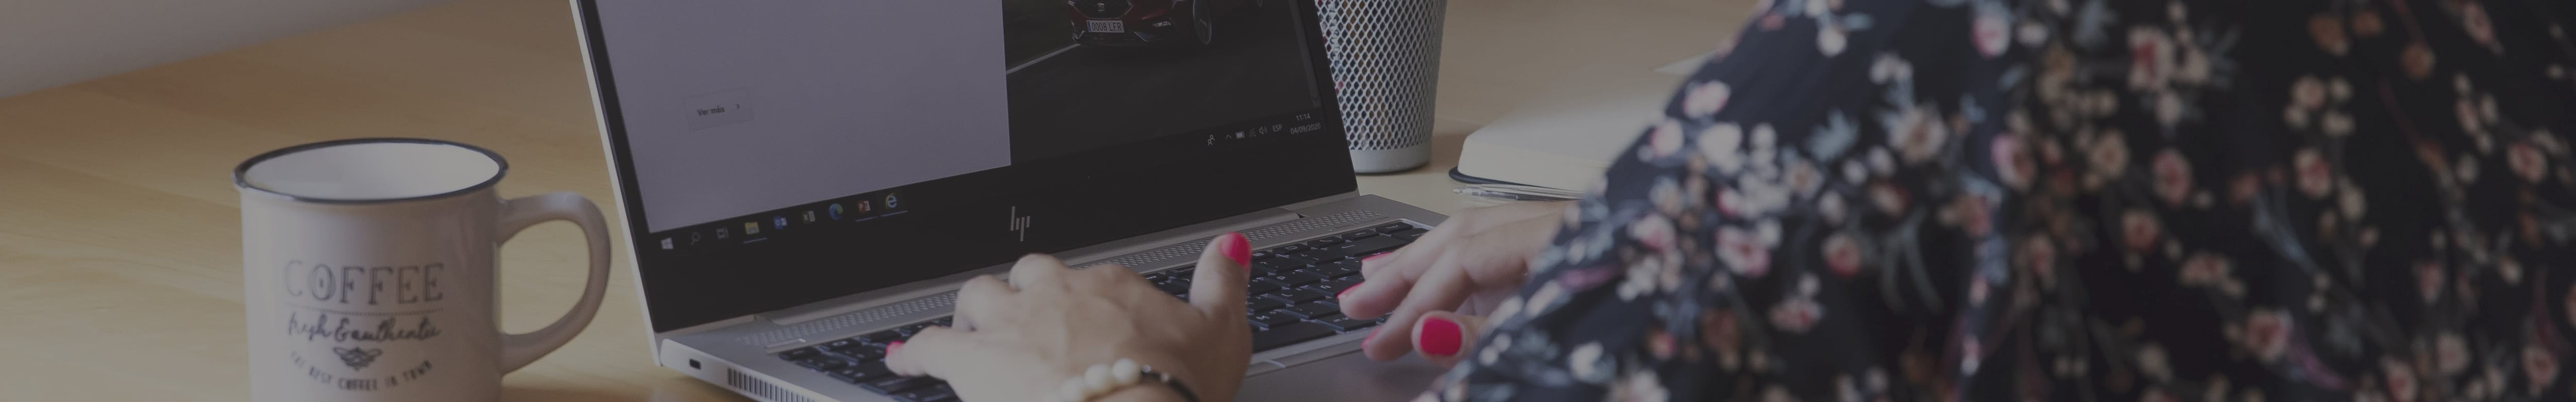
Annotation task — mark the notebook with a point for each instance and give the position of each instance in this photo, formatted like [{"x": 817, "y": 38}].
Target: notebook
[{"x": 1565, "y": 139}]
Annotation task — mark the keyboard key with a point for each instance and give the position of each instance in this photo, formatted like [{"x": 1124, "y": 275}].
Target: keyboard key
[
  {"x": 894, "y": 384},
  {"x": 863, "y": 353},
  {"x": 798, "y": 354},
  {"x": 1363, "y": 247},
  {"x": 1267, "y": 320},
  {"x": 1294, "y": 279},
  {"x": 1313, "y": 310},
  {"x": 1337, "y": 269},
  {"x": 1291, "y": 249},
  {"x": 1259, "y": 304},
  {"x": 1289, "y": 262},
  {"x": 1323, "y": 242},
  {"x": 1347, "y": 324},
  {"x": 1289, "y": 334},
  {"x": 825, "y": 363},
  {"x": 1356, "y": 236},
  {"x": 1294, "y": 296},
  {"x": 1394, "y": 227},
  {"x": 880, "y": 337},
  {"x": 1335, "y": 287},
  {"x": 1263, "y": 255},
  {"x": 931, "y": 394},
  {"x": 862, "y": 373},
  {"x": 944, "y": 321},
  {"x": 1260, "y": 287},
  {"x": 1260, "y": 268},
  {"x": 1409, "y": 234}
]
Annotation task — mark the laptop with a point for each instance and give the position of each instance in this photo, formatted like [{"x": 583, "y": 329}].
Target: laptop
[{"x": 804, "y": 181}]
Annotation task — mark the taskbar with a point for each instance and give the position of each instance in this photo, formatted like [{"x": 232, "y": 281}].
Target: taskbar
[{"x": 802, "y": 220}]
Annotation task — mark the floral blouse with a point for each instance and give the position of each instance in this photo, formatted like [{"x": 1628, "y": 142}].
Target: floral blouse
[{"x": 2220, "y": 200}]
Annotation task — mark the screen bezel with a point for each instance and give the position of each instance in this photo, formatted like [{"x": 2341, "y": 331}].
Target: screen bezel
[{"x": 1101, "y": 195}]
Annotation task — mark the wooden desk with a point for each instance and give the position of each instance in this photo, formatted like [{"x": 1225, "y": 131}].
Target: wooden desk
[{"x": 119, "y": 238}]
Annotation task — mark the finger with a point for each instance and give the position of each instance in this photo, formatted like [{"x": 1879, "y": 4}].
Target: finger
[
  {"x": 1498, "y": 256},
  {"x": 982, "y": 297},
  {"x": 1037, "y": 270},
  {"x": 1445, "y": 338},
  {"x": 1100, "y": 276},
  {"x": 1217, "y": 287},
  {"x": 935, "y": 351},
  {"x": 1374, "y": 296},
  {"x": 1441, "y": 288},
  {"x": 1419, "y": 252},
  {"x": 1476, "y": 220}
]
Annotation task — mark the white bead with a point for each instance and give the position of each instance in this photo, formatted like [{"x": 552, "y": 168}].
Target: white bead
[
  {"x": 1089, "y": 393},
  {"x": 1072, "y": 391},
  {"x": 1097, "y": 378},
  {"x": 1125, "y": 371}
]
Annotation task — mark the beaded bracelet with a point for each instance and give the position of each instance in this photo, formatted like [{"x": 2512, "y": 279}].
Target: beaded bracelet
[{"x": 1100, "y": 379}]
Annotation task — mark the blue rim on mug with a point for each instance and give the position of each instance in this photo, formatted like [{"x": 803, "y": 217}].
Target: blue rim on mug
[{"x": 502, "y": 168}]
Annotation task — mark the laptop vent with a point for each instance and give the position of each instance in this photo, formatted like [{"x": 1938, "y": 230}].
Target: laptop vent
[
  {"x": 1188, "y": 249},
  {"x": 854, "y": 318},
  {"x": 1310, "y": 224},
  {"x": 757, "y": 388}
]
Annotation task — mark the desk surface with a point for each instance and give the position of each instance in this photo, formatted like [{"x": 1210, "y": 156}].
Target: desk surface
[{"x": 119, "y": 233}]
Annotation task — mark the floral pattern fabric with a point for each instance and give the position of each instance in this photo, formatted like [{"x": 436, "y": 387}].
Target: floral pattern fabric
[{"x": 2219, "y": 200}]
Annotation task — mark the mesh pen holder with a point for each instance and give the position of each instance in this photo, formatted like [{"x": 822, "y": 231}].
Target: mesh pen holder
[{"x": 1386, "y": 72}]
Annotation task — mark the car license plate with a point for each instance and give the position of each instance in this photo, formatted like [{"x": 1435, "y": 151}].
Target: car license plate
[{"x": 1109, "y": 26}]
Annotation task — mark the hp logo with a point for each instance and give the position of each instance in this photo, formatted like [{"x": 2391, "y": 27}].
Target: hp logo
[{"x": 1019, "y": 224}]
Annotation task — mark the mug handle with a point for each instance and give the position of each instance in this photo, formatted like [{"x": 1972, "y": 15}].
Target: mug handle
[{"x": 517, "y": 350}]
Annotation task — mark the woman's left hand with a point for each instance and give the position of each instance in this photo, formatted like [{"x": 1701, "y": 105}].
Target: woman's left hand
[{"x": 1021, "y": 341}]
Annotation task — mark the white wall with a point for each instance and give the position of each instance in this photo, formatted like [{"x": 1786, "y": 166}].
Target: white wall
[{"x": 48, "y": 43}]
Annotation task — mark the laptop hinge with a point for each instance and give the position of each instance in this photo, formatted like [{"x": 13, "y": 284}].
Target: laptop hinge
[
  {"x": 1112, "y": 250},
  {"x": 1321, "y": 201}
]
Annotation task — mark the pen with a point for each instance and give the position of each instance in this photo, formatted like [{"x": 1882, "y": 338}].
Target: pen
[{"x": 1516, "y": 193}]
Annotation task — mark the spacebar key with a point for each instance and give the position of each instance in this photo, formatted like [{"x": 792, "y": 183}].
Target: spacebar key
[{"x": 1290, "y": 334}]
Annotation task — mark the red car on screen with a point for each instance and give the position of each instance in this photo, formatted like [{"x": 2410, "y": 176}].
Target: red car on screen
[{"x": 1172, "y": 23}]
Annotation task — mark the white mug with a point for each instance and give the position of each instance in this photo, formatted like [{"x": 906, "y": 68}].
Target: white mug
[{"x": 369, "y": 267}]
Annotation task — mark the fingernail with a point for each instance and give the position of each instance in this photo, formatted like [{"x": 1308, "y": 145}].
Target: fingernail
[
  {"x": 893, "y": 346},
  {"x": 1371, "y": 339},
  {"x": 1238, "y": 249},
  {"x": 1439, "y": 337}
]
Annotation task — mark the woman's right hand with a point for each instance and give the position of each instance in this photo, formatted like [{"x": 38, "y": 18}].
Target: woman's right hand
[{"x": 1480, "y": 254}]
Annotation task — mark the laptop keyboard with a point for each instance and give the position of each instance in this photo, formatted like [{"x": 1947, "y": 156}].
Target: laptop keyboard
[{"x": 1290, "y": 301}]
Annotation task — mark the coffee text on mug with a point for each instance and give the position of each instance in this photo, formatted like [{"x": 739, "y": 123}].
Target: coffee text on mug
[{"x": 364, "y": 285}]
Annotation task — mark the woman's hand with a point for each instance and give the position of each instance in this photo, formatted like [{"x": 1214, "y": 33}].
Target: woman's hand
[
  {"x": 1021, "y": 341},
  {"x": 1481, "y": 253}
]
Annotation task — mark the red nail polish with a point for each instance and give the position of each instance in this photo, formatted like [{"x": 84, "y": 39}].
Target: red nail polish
[
  {"x": 893, "y": 346},
  {"x": 1440, "y": 337},
  {"x": 1238, "y": 249}
]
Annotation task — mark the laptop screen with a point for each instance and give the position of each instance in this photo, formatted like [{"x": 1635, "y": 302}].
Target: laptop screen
[{"x": 780, "y": 152}]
